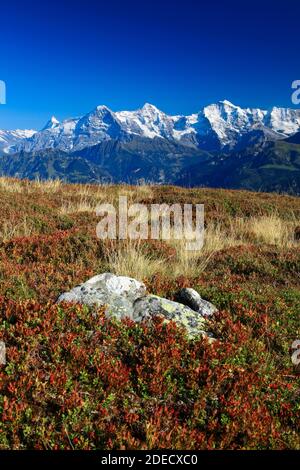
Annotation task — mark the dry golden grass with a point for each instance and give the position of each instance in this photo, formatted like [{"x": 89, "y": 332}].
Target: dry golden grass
[
  {"x": 266, "y": 229},
  {"x": 83, "y": 205},
  {"x": 222, "y": 232},
  {"x": 49, "y": 186},
  {"x": 144, "y": 192},
  {"x": 25, "y": 186},
  {"x": 86, "y": 202},
  {"x": 194, "y": 262},
  {"x": 10, "y": 230},
  {"x": 10, "y": 185},
  {"x": 271, "y": 230},
  {"x": 129, "y": 259},
  {"x": 88, "y": 197}
]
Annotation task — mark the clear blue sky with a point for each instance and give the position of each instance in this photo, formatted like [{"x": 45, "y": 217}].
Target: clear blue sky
[{"x": 65, "y": 57}]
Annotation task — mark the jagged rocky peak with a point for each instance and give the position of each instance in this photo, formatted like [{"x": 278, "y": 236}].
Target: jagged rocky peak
[
  {"x": 51, "y": 124},
  {"x": 221, "y": 125},
  {"x": 101, "y": 109},
  {"x": 150, "y": 108}
]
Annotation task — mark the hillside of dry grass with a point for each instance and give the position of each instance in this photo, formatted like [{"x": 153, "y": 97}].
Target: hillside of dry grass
[{"x": 121, "y": 387}]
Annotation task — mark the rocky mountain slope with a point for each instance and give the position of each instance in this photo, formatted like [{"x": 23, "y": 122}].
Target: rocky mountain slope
[
  {"x": 133, "y": 161},
  {"x": 223, "y": 145},
  {"x": 11, "y": 138},
  {"x": 270, "y": 166}
]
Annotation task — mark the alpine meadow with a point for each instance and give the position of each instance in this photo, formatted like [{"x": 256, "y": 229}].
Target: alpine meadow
[{"x": 149, "y": 233}]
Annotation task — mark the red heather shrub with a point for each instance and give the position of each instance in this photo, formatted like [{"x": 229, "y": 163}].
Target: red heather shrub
[
  {"x": 61, "y": 246},
  {"x": 73, "y": 379}
]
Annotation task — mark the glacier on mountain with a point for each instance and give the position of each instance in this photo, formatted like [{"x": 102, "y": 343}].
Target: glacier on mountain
[{"x": 220, "y": 126}]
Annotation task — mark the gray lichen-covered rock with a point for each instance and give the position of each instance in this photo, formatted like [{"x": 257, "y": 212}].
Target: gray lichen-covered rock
[
  {"x": 116, "y": 292},
  {"x": 152, "y": 305},
  {"x": 126, "y": 297},
  {"x": 192, "y": 299},
  {"x": 2, "y": 353}
]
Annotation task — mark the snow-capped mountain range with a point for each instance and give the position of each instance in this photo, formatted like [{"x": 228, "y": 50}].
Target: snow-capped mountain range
[
  {"x": 221, "y": 126},
  {"x": 8, "y": 138}
]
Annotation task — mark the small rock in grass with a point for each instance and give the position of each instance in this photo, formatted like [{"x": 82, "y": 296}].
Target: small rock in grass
[
  {"x": 151, "y": 305},
  {"x": 297, "y": 233},
  {"x": 2, "y": 353},
  {"x": 124, "y": 297},
  {"x": 192, "y": 299},
  {"x": 117, "y": 292}
]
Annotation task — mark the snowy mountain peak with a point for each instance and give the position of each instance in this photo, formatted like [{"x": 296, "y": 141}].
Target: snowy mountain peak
[
  {"x": 228, "y": 103},
  {"x": 150, "y": 107},
  {"x": 9, "y": 138},
  {"x": 53, "y": 122},
  {"x": 102, "y": 108},
  {"x": 218, "y": 126}
]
